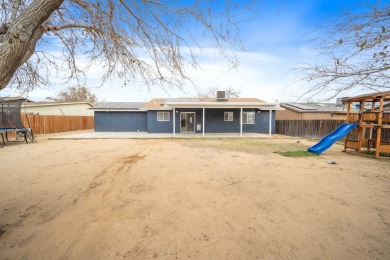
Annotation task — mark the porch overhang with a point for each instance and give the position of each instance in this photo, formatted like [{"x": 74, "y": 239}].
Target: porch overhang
[
  {"x": 265, "y": 106},
  {"x": 226, "y": 105}
]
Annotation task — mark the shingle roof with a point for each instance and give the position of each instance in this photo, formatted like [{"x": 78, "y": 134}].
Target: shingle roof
[
  {"x": 159, "y": 102},
  {"x": 119, "y": 106},
  {"x": 43, "y": 104}
]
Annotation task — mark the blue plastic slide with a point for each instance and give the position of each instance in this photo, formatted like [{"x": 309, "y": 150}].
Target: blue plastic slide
[{"x": 331, "y": 138}]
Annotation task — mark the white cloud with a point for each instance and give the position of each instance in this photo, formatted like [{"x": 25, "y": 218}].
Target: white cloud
[{"x": 259, "y": 75}]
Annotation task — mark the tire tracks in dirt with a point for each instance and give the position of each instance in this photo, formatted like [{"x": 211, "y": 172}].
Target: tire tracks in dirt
[{"x": 70, "y": 230}]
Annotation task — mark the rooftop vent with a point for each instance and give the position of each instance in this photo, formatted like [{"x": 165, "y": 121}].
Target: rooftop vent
[{"x": 222, "y": 96}]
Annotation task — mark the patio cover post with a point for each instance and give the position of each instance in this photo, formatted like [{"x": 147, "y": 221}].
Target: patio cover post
[
  {"x": 270, "y": 123},
  {"x": 347, "y": 121},
  {"x": 203, "y": 121},
  {"x": 174, "y": 119},
  {"x": 379, "y": 129},
  {"x": 241, "y": 123}
]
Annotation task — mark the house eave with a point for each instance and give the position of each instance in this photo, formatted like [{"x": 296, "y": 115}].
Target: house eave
[
  {"x": 226, "y": 105},
  {"x": 115, "y": 110},
  {"x": 156, "y": 108},
  {"x": 31, "y": 104}
]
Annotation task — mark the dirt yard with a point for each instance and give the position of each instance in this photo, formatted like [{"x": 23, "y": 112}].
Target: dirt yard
[{"x": 179, "y": 199}]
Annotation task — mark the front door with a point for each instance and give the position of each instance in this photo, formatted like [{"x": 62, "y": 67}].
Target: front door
[{"x": 187, "y": 122}]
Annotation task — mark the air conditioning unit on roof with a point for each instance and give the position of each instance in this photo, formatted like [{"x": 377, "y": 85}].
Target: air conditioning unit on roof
[{"x": 222, "y": 96}]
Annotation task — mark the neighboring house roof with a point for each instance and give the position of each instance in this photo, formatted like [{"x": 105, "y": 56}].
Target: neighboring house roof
[
  {"x": 118, "y": 106},
  {"x": 316, "y": 108},
  {"x": 45, "y": 104},
  {"x": 58, "y": 108},
  {"x": 12, "y": 98},
  {"x": 386, "y": 107}
]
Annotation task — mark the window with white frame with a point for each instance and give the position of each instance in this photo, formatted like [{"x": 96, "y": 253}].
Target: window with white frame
[
  {"x": 163, "y": 116},
  {"x": 248, "y": 117},
  {"x": 228, "y": 116}
]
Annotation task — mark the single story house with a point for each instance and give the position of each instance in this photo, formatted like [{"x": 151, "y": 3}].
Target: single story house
[
  {"x": 187, "y": 115},
  {"x": 58, "y": 108},
  {"x": 313, "y": 111}
]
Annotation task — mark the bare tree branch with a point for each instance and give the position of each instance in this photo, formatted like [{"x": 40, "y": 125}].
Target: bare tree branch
[
  {"x": 73, "y": 26},
  {"x": 357, "y": 48},
  {"x": 15, "y": 9},
  {"x": 211, "y": 92},
  {"x": 151, "y": 41}
]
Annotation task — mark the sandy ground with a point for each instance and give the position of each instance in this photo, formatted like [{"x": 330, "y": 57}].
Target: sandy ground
[{"x": 179, "y": 199}]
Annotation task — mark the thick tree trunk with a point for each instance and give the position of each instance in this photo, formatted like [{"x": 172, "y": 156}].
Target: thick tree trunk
[{"x": 18, "y": 43}]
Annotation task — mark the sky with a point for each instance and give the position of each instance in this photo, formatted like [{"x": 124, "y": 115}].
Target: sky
[{"x": 277, "y": 40}]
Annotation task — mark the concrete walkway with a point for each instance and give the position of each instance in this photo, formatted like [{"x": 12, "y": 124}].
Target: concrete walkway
[{"x": 144, "y": 135}]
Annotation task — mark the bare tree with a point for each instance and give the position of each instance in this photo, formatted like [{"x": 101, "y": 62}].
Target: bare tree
[
  {"x": 211, "y": 92},
  {"x": 77, "y": 94},
  {"x": 357, "y": 48},
  {"x": 148, "y": 39}
]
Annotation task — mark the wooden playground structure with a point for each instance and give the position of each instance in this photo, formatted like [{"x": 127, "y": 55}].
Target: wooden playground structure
[{"x": 373, "y": 131}]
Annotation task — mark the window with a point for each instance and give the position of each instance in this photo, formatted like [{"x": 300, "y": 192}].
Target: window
[
  {"x": 248, "y": 117},
  {"x": 163, "y": 116},
  {"x": 228, "y": 116}
]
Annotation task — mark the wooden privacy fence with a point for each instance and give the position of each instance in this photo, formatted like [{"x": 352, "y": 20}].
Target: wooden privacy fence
[
  {"x": 54, "y": 124},
  {"x": 317, "y": 129}
]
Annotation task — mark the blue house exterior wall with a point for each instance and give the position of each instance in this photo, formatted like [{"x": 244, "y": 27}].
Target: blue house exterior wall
[
  {"x": 120, "y": 121},
  {"x": 154, "y": 126},
  {"x": 261, "y": 122},
  {"x": 214, "y": 121},
  {"x": 263, "y": 119}
]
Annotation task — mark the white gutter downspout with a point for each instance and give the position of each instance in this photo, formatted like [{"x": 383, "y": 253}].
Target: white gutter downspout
[
  {"x": 241, "y": 123},
  {"x": 203, "y": 121},
  {"x": 270, "y": 123},
  {"x": 174, "y": 119}
]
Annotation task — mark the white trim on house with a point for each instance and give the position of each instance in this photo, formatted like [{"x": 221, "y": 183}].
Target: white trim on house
[
  {"x": 270, "y": 124},
  {"x": 118, "y": 110},
  {"x": 161, "y": 116},
  {"x": 204, "y": 111},
  {"x": 241, "y": 122},
  {"x": 174, "y": 121},
  {"x": 258, "y": 105},
  {"x": 154, "y": 108}
]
